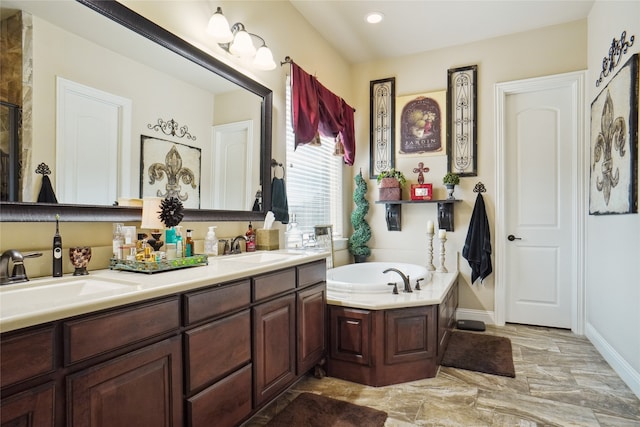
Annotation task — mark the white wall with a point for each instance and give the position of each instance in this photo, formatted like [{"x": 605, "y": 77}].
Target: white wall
[{"x": 613, "y": 241}]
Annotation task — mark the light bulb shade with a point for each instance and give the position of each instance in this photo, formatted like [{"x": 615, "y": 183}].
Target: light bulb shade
[
  {"x": 264, "y": 59},
  {"x": 242, "y": 45},
  {"x": 151, "y": 214},
  {"x": 218, "y": 28}
]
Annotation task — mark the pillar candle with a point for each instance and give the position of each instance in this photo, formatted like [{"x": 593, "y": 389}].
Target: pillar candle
[
  {"x": 430, "y": 227},
  {"x": 442, "y": 233}
]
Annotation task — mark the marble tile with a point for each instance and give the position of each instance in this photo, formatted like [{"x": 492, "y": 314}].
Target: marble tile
[{"x": 561, "y": 380}]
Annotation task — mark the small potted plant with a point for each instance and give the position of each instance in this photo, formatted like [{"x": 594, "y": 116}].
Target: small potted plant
[
  {"x": 450, "y": 180},
  {"x": 391, "y": 183}
]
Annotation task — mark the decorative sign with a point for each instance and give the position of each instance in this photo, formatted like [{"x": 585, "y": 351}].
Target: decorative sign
[{"x": 421, "y": 124}]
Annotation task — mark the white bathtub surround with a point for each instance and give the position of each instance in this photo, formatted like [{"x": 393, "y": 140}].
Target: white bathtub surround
[
  {"x": 432, "y": 292},
  {"x": 369, "y": 277}
]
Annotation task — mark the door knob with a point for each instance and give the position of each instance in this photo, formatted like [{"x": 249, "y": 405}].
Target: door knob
[{"x": 511, "y": 238}]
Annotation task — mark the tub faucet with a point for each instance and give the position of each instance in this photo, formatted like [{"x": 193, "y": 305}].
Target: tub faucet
[
  {"x": 405, "y": 279},
  {"x": 235, "y": 244},
  {"x": 18, "y": 274}
]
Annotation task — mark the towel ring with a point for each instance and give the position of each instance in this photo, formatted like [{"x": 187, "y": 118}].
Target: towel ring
[{"x": 275, "y": 164}]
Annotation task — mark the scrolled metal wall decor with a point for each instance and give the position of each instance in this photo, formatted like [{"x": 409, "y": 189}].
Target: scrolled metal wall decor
[
  {"x": 617, "y": 49},
  {"x": 172, "y": 128}
]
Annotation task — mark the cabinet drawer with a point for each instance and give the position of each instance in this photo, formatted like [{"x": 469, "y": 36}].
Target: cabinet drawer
[
  {"x": 26, "y": 355},
  {"x": 213, "y": 302},
  {"x": 217, "y": 348},
  {"x": 98, "y": 334},
  {"x": 310, "y": 274},
  {"x": 273, "y": 284},
  {"x": 224, "y": 404}
]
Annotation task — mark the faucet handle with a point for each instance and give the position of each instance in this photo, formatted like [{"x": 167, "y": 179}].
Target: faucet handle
[
  {"x": 417, "y": 288},
  {"x": 395, "y": 287}
]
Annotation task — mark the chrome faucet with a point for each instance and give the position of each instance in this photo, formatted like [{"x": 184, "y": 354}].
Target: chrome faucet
[
  {"x": 235, "y": 244},
  {"x": 18, "y": 274},
  {"x": 405, "y": 279}
]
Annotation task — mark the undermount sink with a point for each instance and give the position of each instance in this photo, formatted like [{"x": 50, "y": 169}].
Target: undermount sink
[
  {"x": 41, "y": 295},
  {"x": 262, "y": 257}
]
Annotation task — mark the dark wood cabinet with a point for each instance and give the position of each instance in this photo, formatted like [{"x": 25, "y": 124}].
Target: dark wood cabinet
[
  {"x": 311, "y": 319},
  {"x": 350, "y": 335},
  {"x": 410, "y": 334},
  {"x": 31, "y": 408},
  {"x": 447, "y": 319},
  {"x": 142, "y": 388},
  {"x": 274, "y": 324}
]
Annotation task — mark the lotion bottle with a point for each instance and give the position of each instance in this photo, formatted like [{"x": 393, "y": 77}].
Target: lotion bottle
[
  {"x": 57, "y": 250},
  {"x": 251, "y": 239},
  {"x": 179, "y": 242},
  {"x": 211, "y": 242}
]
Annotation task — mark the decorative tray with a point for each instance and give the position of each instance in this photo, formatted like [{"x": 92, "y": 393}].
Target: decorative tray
[{"x": 158, "y": 266}]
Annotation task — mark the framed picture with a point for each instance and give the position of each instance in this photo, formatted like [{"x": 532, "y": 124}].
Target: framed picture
[
  {"x": 421, "y": 191},
  {"x": 613, "y": 187},
  {"x": 382, "y": 98},
  {"x": 462, "y": 131},
  {"x": 170, "y": 169},
  {"x": 420, "y": 124}
]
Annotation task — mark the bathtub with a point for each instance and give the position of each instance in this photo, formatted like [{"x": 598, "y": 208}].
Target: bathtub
[{"x": 368, "y": 277}]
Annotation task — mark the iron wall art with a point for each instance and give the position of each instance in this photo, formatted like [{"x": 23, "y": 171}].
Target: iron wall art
[
  {"x": 421, "y": 124},
  {"x": 614, "y": 144},
  {"x": 170, "y": 169},
  {"x": 462, "y": 105},
  {"x": 616, "y": 51},
  {"x": 382, "y": 98},
  {"x": 172, "y": 128}
]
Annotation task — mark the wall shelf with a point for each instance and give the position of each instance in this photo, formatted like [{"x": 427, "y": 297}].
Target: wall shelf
[{"x": 393, "y": 212}]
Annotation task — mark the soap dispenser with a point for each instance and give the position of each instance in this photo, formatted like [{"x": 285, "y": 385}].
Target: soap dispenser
[{"x": 211, "y": 242}]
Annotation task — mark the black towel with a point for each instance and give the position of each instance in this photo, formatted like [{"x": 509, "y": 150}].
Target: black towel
[
  {"x": 477, "y": 247},
  {"x": 46, "y": 191},
  {"x": 279, "y": 204}
]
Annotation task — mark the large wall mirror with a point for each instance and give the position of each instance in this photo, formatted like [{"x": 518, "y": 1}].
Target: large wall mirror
[{"x": 105, "y": 94}]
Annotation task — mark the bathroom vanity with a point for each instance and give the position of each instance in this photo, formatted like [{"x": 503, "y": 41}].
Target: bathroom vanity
[
  {"x": 171, "y": 349},
  {"x": 382, "y": 339}
]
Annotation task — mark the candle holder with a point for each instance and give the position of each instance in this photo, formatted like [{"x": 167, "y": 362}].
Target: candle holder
[
  {"x": 430, "y": 266},
  {"x": 442, "y": 268}
]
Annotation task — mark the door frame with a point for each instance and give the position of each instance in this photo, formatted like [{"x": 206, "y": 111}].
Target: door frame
[{"x": 579, "y": 203}]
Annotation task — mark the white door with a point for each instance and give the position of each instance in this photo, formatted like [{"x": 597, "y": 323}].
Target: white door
[
  {"x": 540, "y": 203},
  {"x": 93, "y": 131}
]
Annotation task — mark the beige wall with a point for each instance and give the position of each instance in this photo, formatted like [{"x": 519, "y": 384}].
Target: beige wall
[
  {"x": 613, "y": 241},
  {"x": 551, "y": 50}
]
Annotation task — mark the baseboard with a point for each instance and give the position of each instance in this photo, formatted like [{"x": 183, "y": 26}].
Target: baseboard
[
  {"x": 488, "y": 317},
  {"x": 626, "y": 372}
]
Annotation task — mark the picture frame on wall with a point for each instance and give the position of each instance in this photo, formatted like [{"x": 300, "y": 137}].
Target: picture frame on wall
[
  {"x": 613, "y": 187},
  {"x": 462, "y": 131},
  {"x": 421, "y": 124},
  {"x": 170, "y": 169},
  {"x": 382, "y": 99}
]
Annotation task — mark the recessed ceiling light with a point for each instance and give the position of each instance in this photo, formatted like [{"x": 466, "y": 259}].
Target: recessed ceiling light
[{"x": 374, "y": 17}]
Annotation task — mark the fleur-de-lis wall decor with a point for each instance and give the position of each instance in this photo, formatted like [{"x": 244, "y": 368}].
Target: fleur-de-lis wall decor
[
  {"x": 172, "y": 167},
  {"x": 612, "y": 137}
]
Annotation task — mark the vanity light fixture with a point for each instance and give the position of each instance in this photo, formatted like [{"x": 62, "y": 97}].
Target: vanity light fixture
[{"x": 239, "y": 42}]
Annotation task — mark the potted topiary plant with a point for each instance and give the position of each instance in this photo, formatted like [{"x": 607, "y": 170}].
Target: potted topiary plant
[
  {"x": 450, "y": 180},
  {"x": 361, "y": 230},
  {"x": 391, "y": 183}
]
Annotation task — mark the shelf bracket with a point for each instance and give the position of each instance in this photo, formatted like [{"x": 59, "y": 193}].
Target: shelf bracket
[
  {"x": 392, "y": 215},
  {"x": 393, "y": 210},
  {"x": 445, "y": 216}
]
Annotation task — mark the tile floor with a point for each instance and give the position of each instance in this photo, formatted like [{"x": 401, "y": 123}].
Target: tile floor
[{"x": 561, "y": 380}]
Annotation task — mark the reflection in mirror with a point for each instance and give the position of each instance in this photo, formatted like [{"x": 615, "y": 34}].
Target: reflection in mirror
[{"x": 100, "y": 89}]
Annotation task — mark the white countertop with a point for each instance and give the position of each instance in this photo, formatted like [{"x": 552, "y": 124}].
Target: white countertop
[
  {"x": 47, "y": 299},
  {"x": 431, "y": 293}
]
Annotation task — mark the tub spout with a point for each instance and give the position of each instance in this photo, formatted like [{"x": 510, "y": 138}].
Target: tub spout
[{"x": 405, "y": 278}]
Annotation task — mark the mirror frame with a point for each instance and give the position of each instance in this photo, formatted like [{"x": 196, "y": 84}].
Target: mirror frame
[{"x": 43, "y": 212}]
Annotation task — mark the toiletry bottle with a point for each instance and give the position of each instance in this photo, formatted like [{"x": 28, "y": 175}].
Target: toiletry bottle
[
  {"x": 188, "y": 244},
  {"x": 118, "y": 240},
  {"x": 251, "y": 239},
  {"x": 211, "y": 242},
  {"x": 179, "y": 242},
  {"x": 57, "y": 250},
  {"x": 293, "y": 236}
]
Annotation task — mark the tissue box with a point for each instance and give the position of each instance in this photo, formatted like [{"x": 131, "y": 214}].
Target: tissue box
[{"x": 267, "y": 240}]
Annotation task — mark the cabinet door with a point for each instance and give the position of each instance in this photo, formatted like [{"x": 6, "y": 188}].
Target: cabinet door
[
  {"x": 311, "y": 327},
  {"x": 33, "y": 408},
  {"x": 274, "y": 347},
  {"x": 410, "y": 334},
  {"x": 350, "y": 335},
  {"x": 142, "y": 388}
]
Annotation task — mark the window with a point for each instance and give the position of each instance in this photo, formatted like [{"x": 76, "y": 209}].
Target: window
[{"x": 313, "y": 180}]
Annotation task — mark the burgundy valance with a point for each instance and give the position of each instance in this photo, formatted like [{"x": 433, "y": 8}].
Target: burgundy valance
[{"x": 318, "y": 110}]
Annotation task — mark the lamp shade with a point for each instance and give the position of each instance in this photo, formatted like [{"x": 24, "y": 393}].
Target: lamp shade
[
  {"x": 218, "y": 28},
  {"x": 151, "y": 214},
  {"x": 264, "y": 59},
  {"x": 242, "y": 45}
]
